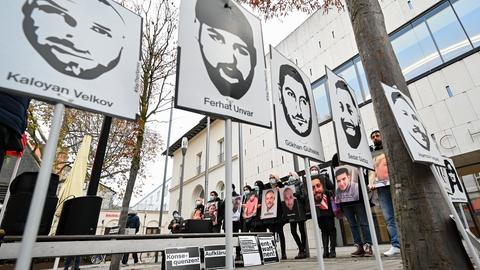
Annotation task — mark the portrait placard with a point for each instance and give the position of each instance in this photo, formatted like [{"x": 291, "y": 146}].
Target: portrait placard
[
  {"x": 412, "y": 130},
  {"x": 351, "y": 139},
  {"x": 249, "y": 249},
  {"x": 295, "y": 115},
  {"x": 84, "y": 54},
  {"x": 250, "y": 205},
  {"x": 269, "y": 204},
  {"x": 380, "y": 172},
  {"x": 221, "y": 66},
  {"x": 236, "y": 208},
  {"x": 269, "y": 249},
  {"x": 290, "y": 204},
  {"x": 451, "y": 181},
  {"x": 347, "y": 184},
  {"x": 211, "y": 212},
  {"x": 187, "y": 258}
]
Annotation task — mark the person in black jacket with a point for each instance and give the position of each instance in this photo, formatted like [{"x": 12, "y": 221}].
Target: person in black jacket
[
  {"x": 217, "y": 221},
  {"x": 257, "y": 223},
  {"x": 299, "y": 220},
  {"x": 132, "y": 222},
  {"x": 326, "y": 219},
  {"x": 275, "y": 225},
  {"x": 13, "y": 122}
]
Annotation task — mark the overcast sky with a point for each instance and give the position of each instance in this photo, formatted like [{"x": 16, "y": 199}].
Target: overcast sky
[{"x": 274, "y": 31}]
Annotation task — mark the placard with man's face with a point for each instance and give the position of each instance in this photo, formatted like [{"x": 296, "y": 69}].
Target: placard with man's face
[
  {"x": 347, "y": 185},
  {"x": 269, "y": 204},
  {"x": 296, "y": 124},
  {"x": 380, "y": 170},
  {"x": 290, "y": 204},
  {"x": 352, "y": 142},
  {"x": 236, "y": 207},
  {"x": 221, "y": 62},
  {"x": 414, "y": 134}
]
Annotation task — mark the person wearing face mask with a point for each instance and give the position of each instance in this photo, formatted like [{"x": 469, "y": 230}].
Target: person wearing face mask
[
  {"x": 176, "y": 225},
  {"x": 199, "y": 205},
  {"x": 300, "y": 195},
  {"x": 250, "y": 203},
  {"x": 217, "y": 225},
  {"x": 275, "y": 225},
  {"x": 257, "y": 223},
  {"x": 315, "y": 171}
]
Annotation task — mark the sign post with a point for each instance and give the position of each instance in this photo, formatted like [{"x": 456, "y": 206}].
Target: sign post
[
  {"x": 228, "y": 195},
  {"x": 351, "y": 140}
]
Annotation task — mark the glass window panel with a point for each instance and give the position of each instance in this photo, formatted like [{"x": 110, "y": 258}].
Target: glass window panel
[
  {"x": 469, "y": 13},
  {"x": 321, "y": 101},
  {"x": 447, "y": 32},
  {"x": 363, "y": 78},
  {"x": 347, "y": 72},
  {"x": 415, "y": 50}
]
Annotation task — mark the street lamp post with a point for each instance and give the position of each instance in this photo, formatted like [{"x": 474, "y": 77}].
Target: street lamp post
[{"x": 184, "y": 151}]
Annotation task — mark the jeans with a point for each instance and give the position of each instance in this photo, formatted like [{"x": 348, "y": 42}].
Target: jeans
[
  {"x": 69, "y": 260},
  {"x": 357, "y": 216},
  {"x": 385, "y": 198}
]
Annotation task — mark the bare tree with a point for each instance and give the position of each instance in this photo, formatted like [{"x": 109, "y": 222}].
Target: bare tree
[
  {"x": 429, "y": 240},
  {"x": 158, "y": 65}
]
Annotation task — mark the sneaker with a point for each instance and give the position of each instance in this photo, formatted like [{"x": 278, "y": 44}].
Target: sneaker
[
  {"x": 360, "y": 252},
  {"x": 368, "y": 250},
  {"x": 392, "y": 252}
]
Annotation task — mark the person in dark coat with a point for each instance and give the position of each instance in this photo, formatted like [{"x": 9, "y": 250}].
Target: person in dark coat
[
  {"x": 13, "y": 122},
  {"x": 326, "y": 220},
  {"x": 298, "y": 220},
  {"x": 257, "y": 223},
  {"x": 275, "y": 225},
  {"x": 217, "y": 224},
  {"x": 133, "y": 222},
  {"x": 176, "y": 224}
]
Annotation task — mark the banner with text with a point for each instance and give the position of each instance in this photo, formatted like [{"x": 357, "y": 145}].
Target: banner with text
[
  {"x": 187, "y": 258},
  {"x": 84, "y": 54},
  {"x": 269, "y": 249},
  {"x": 215, "y": 257},
  {"x": 414, "y": 133},
  {"x": 352, "y": 141},
  {"x": 295, "y": 115},
  {"x": 221, "y": 62},
  {"x": 250, "y": 252}
]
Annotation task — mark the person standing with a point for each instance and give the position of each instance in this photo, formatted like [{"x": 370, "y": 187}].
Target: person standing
[
  {"x": 275, "y": 225},
  {"x": 216, "y": 221},
  {"x": 380, "y": 182},
  {"x": 133, "y": 222},
  {"x": 176, "y": 224}
]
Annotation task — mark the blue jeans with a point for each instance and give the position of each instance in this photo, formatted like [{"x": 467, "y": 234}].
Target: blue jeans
[
  {"x": 385, "y": 198},
  {"x": 357, "y": 217},
  {"x": 69, "y": 260}
]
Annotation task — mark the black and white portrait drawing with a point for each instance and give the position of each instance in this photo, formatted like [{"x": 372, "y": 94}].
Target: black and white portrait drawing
[
  {"x": 82, "y": 45},
  {"x": 349, "y": 114},
  {"x": 453, "y": 179},
  {"x": 227, "y": 49},
  {"x": 295, "y": 100}
]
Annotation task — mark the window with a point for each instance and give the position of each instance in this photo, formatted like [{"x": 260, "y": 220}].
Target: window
[
  {"x": 362, "y": 77},
  {"x": 321, "y": 101},
  {"x": 271, "y": 164},
  {"x": 447, "y": 32},
  {"x": 199, "y": 163},
  {"x": 283, "y": 161},
  {"x": 469, "y": 11},
  {"x": 349, "y": 74},
  {"x": 221, "y": 151}
]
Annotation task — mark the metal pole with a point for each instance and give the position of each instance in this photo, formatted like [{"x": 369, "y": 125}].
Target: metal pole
[
  {"x": 371, "y": 225},
  {"x": 207, "y": 156},
  {"x": 316, "y": 229},
  {"x": 7, "y": 195},
  {"x": 165, "y": 170},
  {"x": 40, "y": 191},
  {"x": 240, "y": 157},
  {"x": 295, "y": 163},
  {"x": 99, "y": 156},
  {"x": 473, "y": 253},
  {"x": 228, "y": 195},
  {"x": 181, "y": 185}
]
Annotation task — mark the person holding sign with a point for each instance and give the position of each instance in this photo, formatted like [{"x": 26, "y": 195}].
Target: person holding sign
[
  {"x": 211, "y": 211},
  {"x": 379, "y": 182},
  {"x": 298, "y": 220},
  {"x": 249, "y": 208}
]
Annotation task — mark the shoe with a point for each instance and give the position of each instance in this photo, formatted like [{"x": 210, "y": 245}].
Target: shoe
[
  {"x": 332, "y": 254},
  {"x": 325, "y": 253},
  {"x": 360, "y": 252},
  {"x": 392, "y": 252},
  {"x": 284, "y": 256},
  {"x": 368, "y": 250},
  {"x": 124, "y": 264},
  {"x": 301, "y": 255}
]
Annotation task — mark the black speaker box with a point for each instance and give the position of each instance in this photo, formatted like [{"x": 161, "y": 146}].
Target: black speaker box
[
  {"x": 25, "y": 183},
  {"x": 16, "y": 214},
  {"x": 80, "y": 216}
]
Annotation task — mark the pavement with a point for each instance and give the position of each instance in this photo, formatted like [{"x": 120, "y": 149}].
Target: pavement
[{"x": 343, "y": 261}]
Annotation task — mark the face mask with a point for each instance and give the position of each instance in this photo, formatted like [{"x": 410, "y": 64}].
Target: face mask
[
  {"x": 211, "y": 198},
  {"x": 291, "y": 180},
  {"x": 198, "y": 203},
  {"x": 176, "y": 216},
  {"x": 314, "y": 172},
  {"x": 246, "y": 192},
  {"x": 272, "y": 180}
]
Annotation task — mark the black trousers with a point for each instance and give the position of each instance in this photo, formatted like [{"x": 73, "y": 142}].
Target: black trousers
[
  {"x": 278, "y": 228},
  {"x": 329, "y": 232},
  {"x": 125, "y": 258},
  {"x": 302, "y": 240}
]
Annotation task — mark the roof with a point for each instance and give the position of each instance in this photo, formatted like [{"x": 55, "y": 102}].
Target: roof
[{"x": 202, "y": 124}]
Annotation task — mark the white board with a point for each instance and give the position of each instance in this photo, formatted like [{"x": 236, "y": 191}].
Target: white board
[
  {"x": 451, "y": 182},
  {"x": 296, "y": 124},
  {"x": 415, "y": 136},
  {"x": 221, "y": 62},
  {"x": 352, "y": 141},
  {"x": 84, "y": 54}
]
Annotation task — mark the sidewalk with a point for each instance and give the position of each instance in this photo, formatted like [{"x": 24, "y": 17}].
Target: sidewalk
[{"x": 343, "y": 261}]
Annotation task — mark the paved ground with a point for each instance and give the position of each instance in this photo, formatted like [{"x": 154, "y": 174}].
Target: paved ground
[{"x": 343, "y": 261}]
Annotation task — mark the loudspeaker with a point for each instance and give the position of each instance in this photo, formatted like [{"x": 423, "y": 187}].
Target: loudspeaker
[
  {"x": 25, "y": 183},
  {"x": 80, "y": 216},
  {"x": 17, "y": 211}
]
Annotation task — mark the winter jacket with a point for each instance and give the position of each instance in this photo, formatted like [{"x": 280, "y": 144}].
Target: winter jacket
[
  {"x": 133, "y": 221},
  {"x": 13, "y": 112}
]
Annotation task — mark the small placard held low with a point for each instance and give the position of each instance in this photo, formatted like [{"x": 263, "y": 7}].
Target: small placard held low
[
  {"x": 250, "y": 252},
  {"x": 215, "y": 257},
  {"x": 269, "y": 249},
  {"x": 182, "y": 258}
]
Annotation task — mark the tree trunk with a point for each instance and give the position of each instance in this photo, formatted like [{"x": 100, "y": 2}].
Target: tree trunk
[
  {"x": 135, "y": 166},
  {"x": 428, "y": 241}
]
